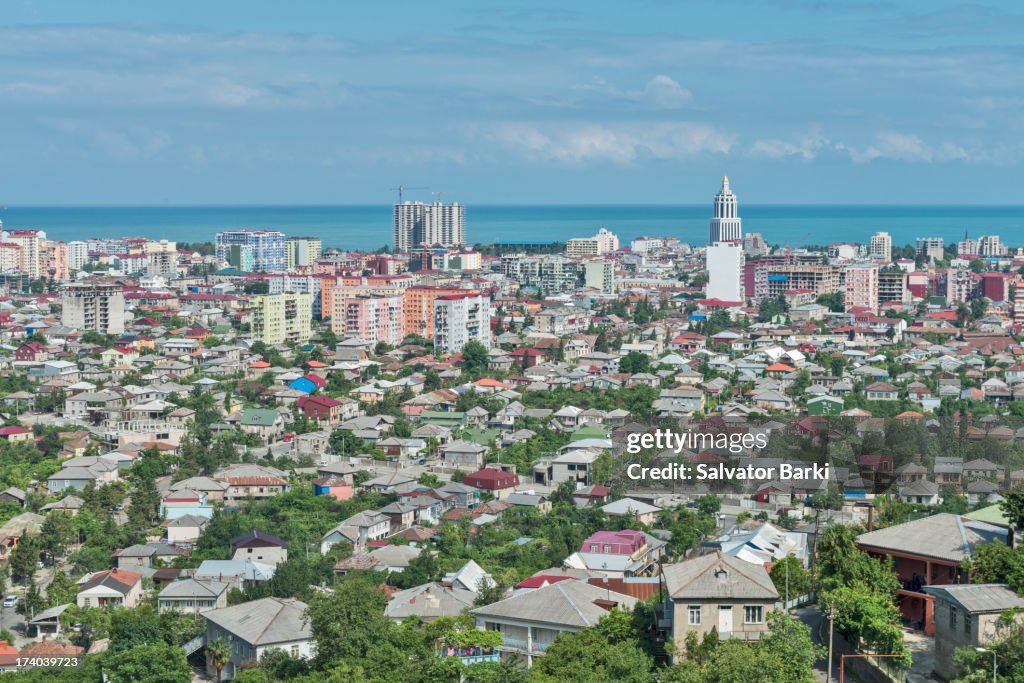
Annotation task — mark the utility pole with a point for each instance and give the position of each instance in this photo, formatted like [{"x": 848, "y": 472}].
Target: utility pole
[{"x": 831, "y": 631}]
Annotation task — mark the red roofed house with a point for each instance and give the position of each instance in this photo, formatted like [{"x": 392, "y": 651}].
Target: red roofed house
[
  {"x": 9, "y": 656},
  {"x": 31, "y": 352},
  {"x": 110, "y": 588},
  {"x": 15, "y": 433},
  {"x": 497, "y": 482},
  {"x": 322, "y": 409}
]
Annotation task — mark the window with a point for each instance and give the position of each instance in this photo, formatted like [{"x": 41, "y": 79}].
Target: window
[
  {"x": 607, "y": 548},
  {"x": 694, "y": 614},
  {"x": 753, "y": 614},
  {"x": 593, "y": 547},
  {"x": 967, "y": 624},
  {"x": 952, "y": 617},
  {"x": 295, "y": 650}
]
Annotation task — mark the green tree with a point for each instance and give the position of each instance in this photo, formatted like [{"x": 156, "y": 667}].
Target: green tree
[
  {"x": 474, "y": 357},
  {"x": 790, "y": 577},
  {"x": 588, "y": 656},
  {"x": 218, "y": 652},
  {"x": 153, "y": 663},
  {"x": 58, "y": 533}
]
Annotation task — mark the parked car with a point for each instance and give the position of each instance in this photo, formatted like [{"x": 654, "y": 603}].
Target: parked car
[{"x": 11, "y": 601}]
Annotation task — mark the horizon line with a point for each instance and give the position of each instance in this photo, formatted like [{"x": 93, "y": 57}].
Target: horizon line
[{"x": 211, "y": 205}]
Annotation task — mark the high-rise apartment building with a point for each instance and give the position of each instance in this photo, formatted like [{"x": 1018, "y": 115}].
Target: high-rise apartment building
[
  {"x": 10, "y": 258},
  {"x": 961, "y": 284},
  {"x": 419, "y": 309},
  {"x": 861, "y": 286},
  {"x": 97, "y": 306},
  {"x": 280, "y": 318},
  {"x": 880, "y": 247},
  {"x": 426, "y": 225},
  {"x": 372, "y": 318},
  {"x": 78, "y": 255},
  {"x": 252, "y": 250},
  {"x": 893, "y": 287},
  {"x": 931, "y": 248},
  {"x": 780, "y": 279},
  {"x": 990, "y": 246},
  {"x": 551, "y": 274},
  {"x": 303, "y": 284},
  {"x": 29, "y": 241},
  {"x": 604, "y": 242},
  {"x": 725, "y": 262},
  {"x": 726, "y": 224},
  {"x": 459, "y": 319},
  {"x": 162, "y": 258},
  {"x": 599, "y": 274},
  {"x": 53, "y": 260},
  {"x": 302, "y": 252}
]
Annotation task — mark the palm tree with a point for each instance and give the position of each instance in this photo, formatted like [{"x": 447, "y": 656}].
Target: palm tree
[{"x": 219, "y": 653}]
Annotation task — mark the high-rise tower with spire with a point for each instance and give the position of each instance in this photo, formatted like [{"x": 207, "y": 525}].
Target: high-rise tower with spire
[{"x": 726, "y": 225}]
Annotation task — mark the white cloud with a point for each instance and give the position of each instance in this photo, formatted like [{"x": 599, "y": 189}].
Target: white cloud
[
  {"x": 905, "y": 147},
  {"x": 807, "y": 146},
  {"x": 623, "y": 143},
  {"x": 666, "y": 93}
]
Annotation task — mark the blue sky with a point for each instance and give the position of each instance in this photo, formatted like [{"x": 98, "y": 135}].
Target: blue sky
[{"x": 799, "y": 101}]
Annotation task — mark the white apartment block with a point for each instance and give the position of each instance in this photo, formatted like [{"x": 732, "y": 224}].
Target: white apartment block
[
  {"x": 417, "y": 224},
  {"x": 931, "y": 248},
  {"x": 460, "y": 318},
  {"x": 725, "y": 261},
  {"x": 161, "y": 258},
  {"x": 78, "y": 255},
  {"x": 880, "y": 247}
]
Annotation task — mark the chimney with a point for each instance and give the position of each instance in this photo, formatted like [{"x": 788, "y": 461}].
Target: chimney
[{"x": 871, "y": 517}]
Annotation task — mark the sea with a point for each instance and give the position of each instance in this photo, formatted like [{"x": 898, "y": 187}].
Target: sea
[{"x": 366, "y": 227}]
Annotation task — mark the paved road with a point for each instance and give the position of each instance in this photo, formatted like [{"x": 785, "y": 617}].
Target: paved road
[{"x": 815, "y": 620}]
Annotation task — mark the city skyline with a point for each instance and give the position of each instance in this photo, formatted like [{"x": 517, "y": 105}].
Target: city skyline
[{"x": 869, "y": 103}]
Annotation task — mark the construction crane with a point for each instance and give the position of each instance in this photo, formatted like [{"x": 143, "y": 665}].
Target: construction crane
[
  {"x": 801, "y": 240},
  {"x": 401, "y": 191}
]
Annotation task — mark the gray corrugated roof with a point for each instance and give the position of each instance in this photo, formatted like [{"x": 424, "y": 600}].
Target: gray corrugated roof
[
  {"x": 566, "y": 603},
  {"x": 718, "y": 576},
  {"x": 979, "y": 597},
  {"x": 943, "y": 536},
  {"x": 191, "y": 588},
  {"x": 264, "y": 622}
]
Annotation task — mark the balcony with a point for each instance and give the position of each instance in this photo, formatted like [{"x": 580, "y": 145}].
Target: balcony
[{"x": 471, "y": 655}]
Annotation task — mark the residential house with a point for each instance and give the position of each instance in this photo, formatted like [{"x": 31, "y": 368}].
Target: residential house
[
  {"x": 110, "y": 588},
  {"x": 930, "y": 551},
  {"x": 263, "y": 422},
  {"x": 719, "y": 593},
  {"x": 185, "y": 530},
  {"x": 251, "y": 481},
  {"x": 190, "y": 596},
  {"x": 969, "y": 616},
  {"x": 359, "y": 529},
  {"x": 618, "y": 554},
  {"x": 634, "y": 509},
  {"x": 461, "y": 453},
  {"x": 257, "y": 627},
  {"x": 529, "y": 622},
  {"x": 881, "y": 391},
  {"x": 259, "y": 547},
  {"x": 428, "y": 602}
]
